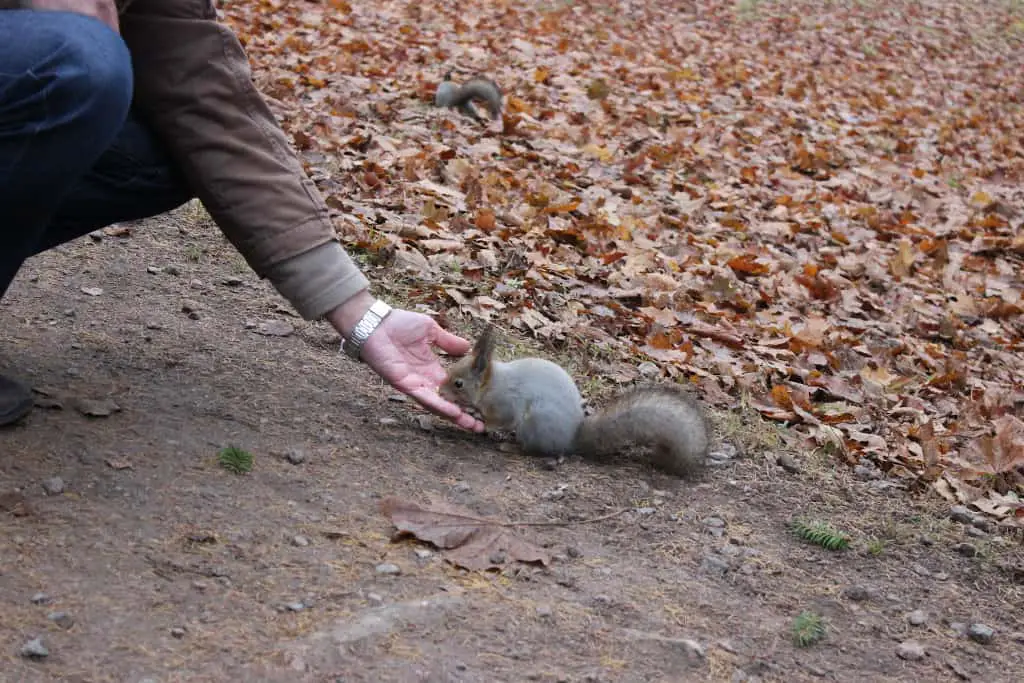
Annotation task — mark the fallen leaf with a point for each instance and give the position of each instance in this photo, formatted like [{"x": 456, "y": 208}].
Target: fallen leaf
[
  {"x": 466, "y": 540},
  {"x": 118, "y": 463}
]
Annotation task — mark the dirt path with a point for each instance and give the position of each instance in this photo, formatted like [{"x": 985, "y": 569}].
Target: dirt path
[{"x": 168, "y": 568}]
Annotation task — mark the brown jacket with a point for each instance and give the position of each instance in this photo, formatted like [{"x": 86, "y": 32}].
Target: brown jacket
[{"x": 193, "y": 84}]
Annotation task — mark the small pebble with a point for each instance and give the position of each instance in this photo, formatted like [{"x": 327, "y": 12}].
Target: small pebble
[
  {"x": 295, "y": 606},
  {"x": 573, "y": 551},
  {"x": 856, "y": 593},
  {"x": 388, "y": 568},
  {"x": 917, "y": 618},
  {"x": 966, "y": 549},
  {"x": 692, "y": 648},
  {"x": 865, "y": 472},
  {"x": 975, "y": 532},
  {"x": 646, "y": 511},
  {"x": 53, "y": 486},
  {"x": 34, "y": 649},
  {"x": 40, "y": 599},
  {"x": 980, "y": 633},
  {"x": 960, "y": 513},
  {"x": 62, "y": 619},
  {"x": 295, "y": 456},
  {"x": 910, "y": 650},
  {"x": 178, "y": 632},
  {"x": 300, "y": 541},
  {"x": 375, "y": 597},
  {"x": 786, "y": 462},
  {"x": 387, "y": 421},
  {"x": 423, "y": 553},
  {"x": 544, "y": 611},
  {"x": 712, "y": 564}
]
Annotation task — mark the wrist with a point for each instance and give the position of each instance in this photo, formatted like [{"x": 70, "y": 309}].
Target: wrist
[
  {"x": 347, "y": 315},
  {"x": 357, "y": 319}
]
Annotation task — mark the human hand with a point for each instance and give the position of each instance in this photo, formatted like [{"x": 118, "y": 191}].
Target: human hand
[
  {"x": 104, "y": 10},
  {"x": 400, "y": 351}
]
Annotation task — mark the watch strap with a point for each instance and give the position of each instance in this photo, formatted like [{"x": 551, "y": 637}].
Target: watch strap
[{"x": 353, "y": 345}]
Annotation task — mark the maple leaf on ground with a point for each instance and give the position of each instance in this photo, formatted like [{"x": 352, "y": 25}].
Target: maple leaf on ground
[{"x": 466, "y": 540}]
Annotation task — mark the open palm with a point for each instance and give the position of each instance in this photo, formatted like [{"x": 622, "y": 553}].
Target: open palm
[{"x": 400, "y": 351}]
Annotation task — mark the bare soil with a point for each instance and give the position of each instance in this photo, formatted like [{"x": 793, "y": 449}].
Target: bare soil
[{"x": 173, "y": 569}]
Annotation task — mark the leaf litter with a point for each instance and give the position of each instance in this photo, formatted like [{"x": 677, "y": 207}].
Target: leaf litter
[{"x": 817, "y": 206}]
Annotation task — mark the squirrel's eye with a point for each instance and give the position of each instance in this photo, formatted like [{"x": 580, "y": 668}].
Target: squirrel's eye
[{"x": 458, "y": 383}]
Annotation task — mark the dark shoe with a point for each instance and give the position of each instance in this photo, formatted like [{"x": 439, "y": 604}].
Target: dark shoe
[{"x": 15, "y": 401}]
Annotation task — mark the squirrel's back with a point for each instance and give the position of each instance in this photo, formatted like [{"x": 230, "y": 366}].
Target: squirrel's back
[{"x": 551, "y": 405}]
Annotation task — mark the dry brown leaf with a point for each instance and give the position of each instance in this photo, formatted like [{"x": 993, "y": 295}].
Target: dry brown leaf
[{"x": 466, "y": 540}]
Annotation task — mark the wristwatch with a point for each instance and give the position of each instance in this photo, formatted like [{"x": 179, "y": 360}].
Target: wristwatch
[{"x": 364, "y": 328}]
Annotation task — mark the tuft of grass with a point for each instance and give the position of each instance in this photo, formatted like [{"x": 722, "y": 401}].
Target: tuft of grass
[
  {"x": 820, "y": 533},
  {"x": 235, "y": 460},
  {"x": 193, "y": 253},
  {"x": 876, "y": 546},
  {"x": 808, "y": 628}
]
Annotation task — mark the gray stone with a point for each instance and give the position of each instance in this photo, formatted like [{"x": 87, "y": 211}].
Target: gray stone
[
  {"x": 910, "y": 650},
  {"x": 34, "y": 649},
  {"x": 295, "y": 456},
  {"x": 712, "y": 564},
  {"x": 975, "y": 532},
  {"x": 388, "y": 568},
  {"x": 178, "y": 632},
  {"x": 295, "y": 606},
  {"x": 40, "y": 599},
  {"x": 53, "y": 486},
  {"x": 980, "y": 633},
  {"x": 300, "y": 541},
  {"x": 856, "y": 593},
  {"x": 960, "y": 513},
  {"x": 62, "y": 619},
  {"x": 966, "y": 549},
  {"x": 917, "y": 618},
  {"x": 545, "y": 611},
  {"x": 423, "y": 553}
]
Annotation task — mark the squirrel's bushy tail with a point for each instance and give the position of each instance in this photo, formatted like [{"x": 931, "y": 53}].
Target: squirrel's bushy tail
[{"x": 662, "y": 417}]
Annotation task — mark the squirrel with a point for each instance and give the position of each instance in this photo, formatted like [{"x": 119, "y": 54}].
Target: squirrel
[
  {"x": 539, "y": 402},
  {"x": 451, "y": 95}
]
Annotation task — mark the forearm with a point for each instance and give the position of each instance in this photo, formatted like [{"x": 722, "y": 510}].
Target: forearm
[{"x": 193, "y": 84}]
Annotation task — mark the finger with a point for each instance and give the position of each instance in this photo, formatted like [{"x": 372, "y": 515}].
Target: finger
[
  {"x": 440, "y": 406},
  {"x": 451, "y": 343},
  {"x": 433, "y": 401}
]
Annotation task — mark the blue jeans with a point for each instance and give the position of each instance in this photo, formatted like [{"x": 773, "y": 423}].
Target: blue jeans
[{"x": 74, "y": 157}]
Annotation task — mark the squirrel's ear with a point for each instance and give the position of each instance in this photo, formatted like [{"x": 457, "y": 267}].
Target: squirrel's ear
[{"x": 483, "y": 349}]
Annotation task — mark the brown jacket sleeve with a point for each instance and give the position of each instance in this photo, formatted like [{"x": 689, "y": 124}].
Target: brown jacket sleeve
[{"x": 193, "y": 84}]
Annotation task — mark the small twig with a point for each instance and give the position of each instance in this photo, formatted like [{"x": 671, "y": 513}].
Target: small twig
[{"x": 489, "y": 522}]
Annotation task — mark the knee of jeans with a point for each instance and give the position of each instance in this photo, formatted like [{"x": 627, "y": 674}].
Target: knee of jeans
[{"x": 93, "y": 74}]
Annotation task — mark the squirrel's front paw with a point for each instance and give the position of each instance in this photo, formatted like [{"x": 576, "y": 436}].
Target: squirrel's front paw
[{"x": 500, "y": 435}]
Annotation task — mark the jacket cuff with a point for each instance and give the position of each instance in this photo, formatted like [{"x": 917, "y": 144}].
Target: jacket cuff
[{"x": 318, "y": 280}]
